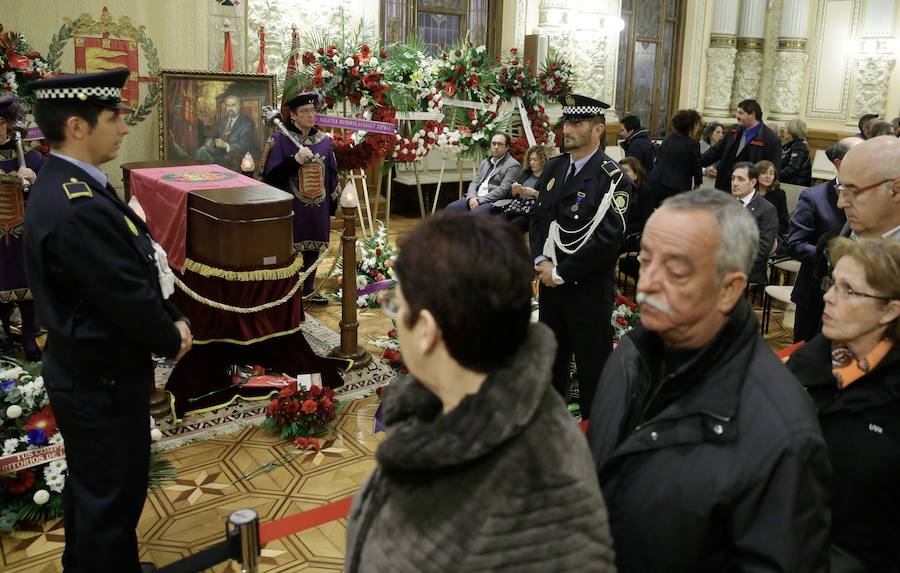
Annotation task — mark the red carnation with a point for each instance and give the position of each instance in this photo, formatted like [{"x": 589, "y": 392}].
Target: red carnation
[
  {"x": 365, "y": 51},
  {"x": 382, "y": 54},
  {"x": 314, "y": 391},
  {"x": 310, "y": 407},
  {"x": 20, "y": 483}
]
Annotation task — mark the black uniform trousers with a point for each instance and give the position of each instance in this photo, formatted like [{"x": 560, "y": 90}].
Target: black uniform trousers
[
  {"x": 579, "y": 313},
  {"x": 105, "y": 424}
]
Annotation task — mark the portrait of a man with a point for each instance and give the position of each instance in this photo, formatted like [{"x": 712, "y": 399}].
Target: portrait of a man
[{"x": 213, "y": 117}]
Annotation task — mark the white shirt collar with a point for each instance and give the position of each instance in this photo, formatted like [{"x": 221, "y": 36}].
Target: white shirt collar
[{"x": 749, "y": 197}]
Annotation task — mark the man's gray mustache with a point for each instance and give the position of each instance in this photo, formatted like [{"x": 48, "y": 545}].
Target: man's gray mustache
[{"x": 644, "y": 298}]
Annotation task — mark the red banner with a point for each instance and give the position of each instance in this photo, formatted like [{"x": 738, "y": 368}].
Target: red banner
[{"x": 31, "y": 458}]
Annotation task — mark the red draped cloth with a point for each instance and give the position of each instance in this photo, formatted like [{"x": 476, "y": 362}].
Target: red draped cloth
[{"x": 271, "y": 338}]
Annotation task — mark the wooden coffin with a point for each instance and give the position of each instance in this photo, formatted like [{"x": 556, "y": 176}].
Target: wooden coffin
[{"x": 241, "y": 228}]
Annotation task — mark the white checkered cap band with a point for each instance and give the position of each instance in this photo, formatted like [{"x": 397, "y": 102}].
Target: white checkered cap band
[
  {"x": 73, "y": 93},
  {"x": 582, "y": 110}
]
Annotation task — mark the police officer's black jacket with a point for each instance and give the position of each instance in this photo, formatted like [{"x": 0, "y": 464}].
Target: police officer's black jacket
[
  {"x": 861, "y": 424},
  {"x": 554, "y": 202},
  {"x": 730, "y": 475},
  {"x": 91, "y": 267}
]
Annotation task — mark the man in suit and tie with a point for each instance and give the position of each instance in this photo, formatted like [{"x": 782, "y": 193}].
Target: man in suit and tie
[
  {"x": 816, "y": 212},
  {"x": 233, "y": 138},
  {"x": 576, "y": 228},
  {"x": 744, "y": 178},
  {"x": 493, "y": 184}
]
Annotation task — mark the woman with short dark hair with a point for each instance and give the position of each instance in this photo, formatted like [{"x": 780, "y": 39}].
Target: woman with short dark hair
[
  {"x": 852, "y": 372},
  {"x": 677, "y": 166},
  {"x": 466, "y": 478}
]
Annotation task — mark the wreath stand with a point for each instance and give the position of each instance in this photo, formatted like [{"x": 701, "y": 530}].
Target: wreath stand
[{"x": 405, "y": 126}]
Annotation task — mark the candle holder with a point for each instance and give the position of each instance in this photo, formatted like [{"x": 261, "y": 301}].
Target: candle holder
[{"x": 349, "y": 348}]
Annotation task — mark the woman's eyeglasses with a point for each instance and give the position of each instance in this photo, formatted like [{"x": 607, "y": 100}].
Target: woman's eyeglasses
[{"x": 844, "y": 290}]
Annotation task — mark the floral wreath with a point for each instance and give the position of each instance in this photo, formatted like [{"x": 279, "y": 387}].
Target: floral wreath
[
  {"x": 84, "y": 24},
  {"x": 19, "y": 64}
]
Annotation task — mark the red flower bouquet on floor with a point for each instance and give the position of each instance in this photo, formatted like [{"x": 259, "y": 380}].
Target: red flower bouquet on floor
[{"x": 297, "y": 412}]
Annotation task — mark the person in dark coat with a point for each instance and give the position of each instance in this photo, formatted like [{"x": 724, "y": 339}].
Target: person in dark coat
[
  {"x": 852, "y": 371},
  {"x": 576, "y": 230},
  {"x": 458, "y": 487},
  {"x": 796, "y": 164},
  {"x": 100, "y": 285},
  {"x": 13, "y": 283},
  {"x": 637, "y": 142},
  {"x": 750, "y": 140},
  {"x": 677, "y": 166},
  {"x": 768, "y": 187},
  {"x": 816, "y": 212},
  {"x": 640, "y": 204},
  {"x": 708, "y": 450},
  {"x": 744, "y": 182}
]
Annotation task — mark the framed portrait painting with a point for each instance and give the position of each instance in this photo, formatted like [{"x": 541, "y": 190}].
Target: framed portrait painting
[{"x": 213, "y": 117}]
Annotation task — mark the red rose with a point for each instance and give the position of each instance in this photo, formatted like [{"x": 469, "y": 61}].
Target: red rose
[
  {"x": 314, "y": 391},
  {"x": 20, "y": 483},
  {"x": 301, "y": 442},
  {"x": 392, "y": 333},
  {"x": 310, "y": 407},
  {"x": 382, "y": 54},
  {"x": 514, "y": 50},
  {"x": 622, "y": 322},
  {"x": 314, "y": 444},
  {"x": 326, "y": 403}
]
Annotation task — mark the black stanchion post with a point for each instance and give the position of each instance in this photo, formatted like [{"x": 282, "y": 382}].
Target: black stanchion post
[{"x": 246, "y": 523}]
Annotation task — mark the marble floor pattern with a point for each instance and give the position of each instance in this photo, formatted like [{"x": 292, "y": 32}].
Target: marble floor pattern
[{"x": 189, "y": 514}]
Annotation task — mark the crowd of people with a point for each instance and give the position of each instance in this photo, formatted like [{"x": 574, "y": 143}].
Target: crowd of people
[{"x": 704, "y": 451}]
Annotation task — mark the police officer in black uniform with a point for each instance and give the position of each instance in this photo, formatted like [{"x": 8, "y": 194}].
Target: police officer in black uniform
[
  {"x": 576, "y": 229},
  {"x": 98, "y": 281}
]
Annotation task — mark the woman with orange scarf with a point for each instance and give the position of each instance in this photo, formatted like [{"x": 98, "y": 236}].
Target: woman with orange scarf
[{"x": 852, "y": 372}]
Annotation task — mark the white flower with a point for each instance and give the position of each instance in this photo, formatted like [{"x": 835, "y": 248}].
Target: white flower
[
  {"x": 361, "y": 282},
  {"x": 12, "y": 373},
  {"x": 363, "y": 101},
  {"x": 10, "y": 445},
  {"x": 480, "y": 49},
  {"x": 56, "y": 438},
  {"x": 41, "y": 496},
  {"x": 14, "y": 411},
  {"x": 155, "y": 435},
  {"x": 336, "y": 59},
  {"x": 348, "y": 62},
  {"x": 326, "y": 74},
  {"x": 361, "y": 302},
  {"x": 373, "y": 62}
]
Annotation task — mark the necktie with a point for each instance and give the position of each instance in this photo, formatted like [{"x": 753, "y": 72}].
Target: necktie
[{"x": 570, "y": 175}]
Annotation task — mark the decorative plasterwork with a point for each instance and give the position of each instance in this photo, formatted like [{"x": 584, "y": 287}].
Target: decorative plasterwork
[
  {"x": 786, "y": 84},
  {"x": 873, "y": 71},
  {"x": 747, "y": 75},
  {"x": 719, "y": 80}
]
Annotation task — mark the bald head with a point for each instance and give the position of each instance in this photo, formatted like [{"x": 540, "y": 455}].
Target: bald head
[
  {"x": 870, "y": 172},
  {"x": 880, "y": 155}
]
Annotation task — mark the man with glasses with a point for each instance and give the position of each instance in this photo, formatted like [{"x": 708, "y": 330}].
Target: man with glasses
[
  {"x": 493, "y": 184},
  {"x": 869, "y": 194},
  {"x": 308, "y": 172},
  {"x": 576, "y": 230},
  {"x": 232, "y": 139}
]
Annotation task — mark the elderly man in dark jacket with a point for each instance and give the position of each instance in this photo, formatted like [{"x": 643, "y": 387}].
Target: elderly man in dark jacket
[
  {"x": 708, "y": 450},
  {"x": 483, "y": 468},
  {"x": 750, "y": 140}
]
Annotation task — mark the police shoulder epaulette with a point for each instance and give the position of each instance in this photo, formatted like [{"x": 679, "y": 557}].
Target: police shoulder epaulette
[
  {"x": 75, "y": 189},
  {"x": 610, "y": 167}
]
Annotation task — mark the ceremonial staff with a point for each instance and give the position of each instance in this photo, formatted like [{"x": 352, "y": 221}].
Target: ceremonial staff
[
  {"x": 18, "y": 130},
  {"x": 272, "y": 118}
]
